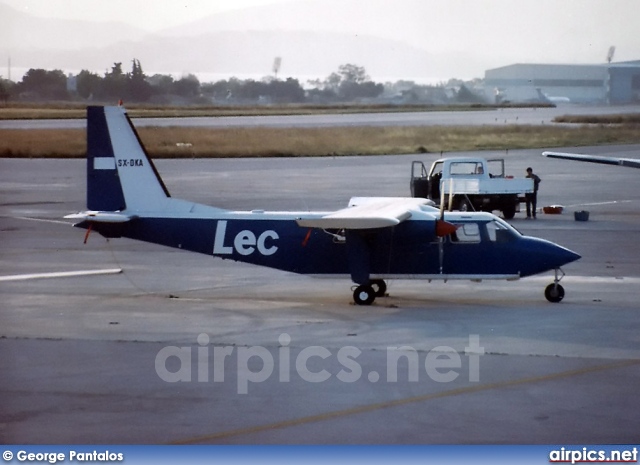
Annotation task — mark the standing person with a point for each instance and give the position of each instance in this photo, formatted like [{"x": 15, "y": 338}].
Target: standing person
[{"x": 532, "y": 199}]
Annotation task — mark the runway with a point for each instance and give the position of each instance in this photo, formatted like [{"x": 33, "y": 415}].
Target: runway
[
  {"x": 179, "y": 348},
  {"x": 490, "y": 117}
]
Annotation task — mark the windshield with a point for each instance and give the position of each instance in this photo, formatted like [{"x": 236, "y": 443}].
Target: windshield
[{"x": 501, "y": 231}]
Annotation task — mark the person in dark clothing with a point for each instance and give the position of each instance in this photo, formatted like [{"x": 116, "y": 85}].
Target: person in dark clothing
[{"x": 532, "y": 199}]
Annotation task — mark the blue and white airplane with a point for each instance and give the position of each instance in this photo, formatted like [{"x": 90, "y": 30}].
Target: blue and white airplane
[{"x": 370, "y": 241}]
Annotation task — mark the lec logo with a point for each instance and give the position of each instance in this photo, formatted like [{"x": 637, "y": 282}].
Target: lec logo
[{"x": 245, "y": 242}]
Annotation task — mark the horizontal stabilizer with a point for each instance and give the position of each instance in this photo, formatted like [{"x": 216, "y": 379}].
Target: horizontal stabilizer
[
  {"x": 367, "y": 213},
  {"x": 100, "y": 217}
]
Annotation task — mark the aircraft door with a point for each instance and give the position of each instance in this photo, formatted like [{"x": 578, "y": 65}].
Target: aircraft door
[{"x": 464, "y": 250}]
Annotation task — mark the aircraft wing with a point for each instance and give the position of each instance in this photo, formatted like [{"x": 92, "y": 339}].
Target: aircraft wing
[
  {"x": 626, "y": 162},
  {"x": 100, "y": 217},
  {"x": 367, "y": 213}
]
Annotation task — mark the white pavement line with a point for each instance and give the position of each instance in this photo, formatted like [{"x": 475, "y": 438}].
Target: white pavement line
[
  {"x": 60, "y": 274},
  {"x": 611, "y": 202},
  {"x": 42, "y": 220},
  {"x": 589, "y": 279}
]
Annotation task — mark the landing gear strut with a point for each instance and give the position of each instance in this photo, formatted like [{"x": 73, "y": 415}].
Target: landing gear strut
[
  {"x": 365, "y": 294},
  {"x": 554, "y": 292}
]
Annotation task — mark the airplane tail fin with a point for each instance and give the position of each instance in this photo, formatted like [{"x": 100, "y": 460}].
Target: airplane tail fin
[
  {"x": 541, "y": 96},
  {"x": 120, "y": 175}
]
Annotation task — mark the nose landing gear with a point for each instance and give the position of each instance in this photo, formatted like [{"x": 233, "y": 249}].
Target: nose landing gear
[{"x": 554, "y": 292}]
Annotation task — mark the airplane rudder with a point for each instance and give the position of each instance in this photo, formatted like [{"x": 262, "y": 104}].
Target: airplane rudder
[{"x": 104, "y": 190}]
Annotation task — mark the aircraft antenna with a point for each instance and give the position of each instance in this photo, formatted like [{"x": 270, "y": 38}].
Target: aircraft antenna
[{"x": 610, "y": 53}]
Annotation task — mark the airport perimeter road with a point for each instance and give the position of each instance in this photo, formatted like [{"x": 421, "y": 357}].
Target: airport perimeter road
[
  {"x": 182, "y": 348},
  {"x": 532, "y": 116}
]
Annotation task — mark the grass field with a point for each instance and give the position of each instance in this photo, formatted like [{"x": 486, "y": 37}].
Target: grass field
[
  {"x": 78, "y": 110},
  {"x": 176, "y": 142}
]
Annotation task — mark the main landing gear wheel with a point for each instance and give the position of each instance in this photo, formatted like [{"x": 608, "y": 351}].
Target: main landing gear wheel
[
  {"x": 379, "y": 287},
  {"x": 364, "y": 295},
  {"x": 554, "y": 292}
]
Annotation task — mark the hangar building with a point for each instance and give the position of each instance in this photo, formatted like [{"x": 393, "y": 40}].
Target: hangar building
[{"x": 612, "y": 83}]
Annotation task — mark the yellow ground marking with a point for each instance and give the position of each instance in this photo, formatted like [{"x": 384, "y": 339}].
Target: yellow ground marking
[{"x": 400, "y": 402}]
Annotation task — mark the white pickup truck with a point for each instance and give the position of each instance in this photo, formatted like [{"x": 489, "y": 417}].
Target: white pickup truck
[{"x": 470, "y": 183}]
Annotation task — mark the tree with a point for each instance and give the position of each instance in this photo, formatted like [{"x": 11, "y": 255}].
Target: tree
[
  {"x": 217, "y": 90},
  {"x": 464, "y": 95},
  {"x": 88, "y": 84},
  {"x": 351, "y": 90},
  {"x": 351, "y": 82},
  {"x": 6, "y": 88},
  {"x": 45, "y": 84},
  {"x": 289, "y": 91},
  {"x": 352, "y": 73},
  {"x": 187, "y": 86},
  {"x": 114, "y": 84},
  {"x": 139, "y": 90},
  {"x": 161, "y": 84}
]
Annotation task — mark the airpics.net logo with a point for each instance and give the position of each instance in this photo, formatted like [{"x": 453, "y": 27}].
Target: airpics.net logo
[{"x": 314, "y": 364}]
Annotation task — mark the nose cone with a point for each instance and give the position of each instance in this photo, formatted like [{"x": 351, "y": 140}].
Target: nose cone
[
  {"x": 565, "y": 255},
  {"x": 544, "y": 256}
]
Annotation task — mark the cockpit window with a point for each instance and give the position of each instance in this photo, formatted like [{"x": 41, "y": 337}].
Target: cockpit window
[{"x": 500, "y": 231}]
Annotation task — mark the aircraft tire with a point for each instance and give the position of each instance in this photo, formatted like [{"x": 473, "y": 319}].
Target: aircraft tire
[
  {"x": 379, "y": 287},
  {"x": 554, "y": 293},
  {"x": 364, "y": 295}
]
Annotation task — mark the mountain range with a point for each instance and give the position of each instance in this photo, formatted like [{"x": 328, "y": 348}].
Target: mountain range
[{"x": 391, "y": 40}]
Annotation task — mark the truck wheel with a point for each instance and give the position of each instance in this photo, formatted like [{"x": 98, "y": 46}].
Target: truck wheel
[{"x": 509, "y": 211}]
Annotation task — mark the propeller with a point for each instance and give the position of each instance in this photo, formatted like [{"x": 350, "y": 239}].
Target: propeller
[{"x": 444, "y": 228}]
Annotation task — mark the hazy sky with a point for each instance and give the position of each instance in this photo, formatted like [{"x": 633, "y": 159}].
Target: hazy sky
[
  {"x": 474, "y": 35},
  {"x": 146, "y": 14},
  {"x": 562, "y": 29}
]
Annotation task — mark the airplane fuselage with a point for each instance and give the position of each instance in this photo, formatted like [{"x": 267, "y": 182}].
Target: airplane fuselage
[{"x": 408, "y": 250}]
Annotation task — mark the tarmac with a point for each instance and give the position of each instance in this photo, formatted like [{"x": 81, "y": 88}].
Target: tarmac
[{"x": 167, "y": 347}]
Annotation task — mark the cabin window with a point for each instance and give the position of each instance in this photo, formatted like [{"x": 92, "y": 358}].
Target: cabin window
[{"x": 466, "y": 233}]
